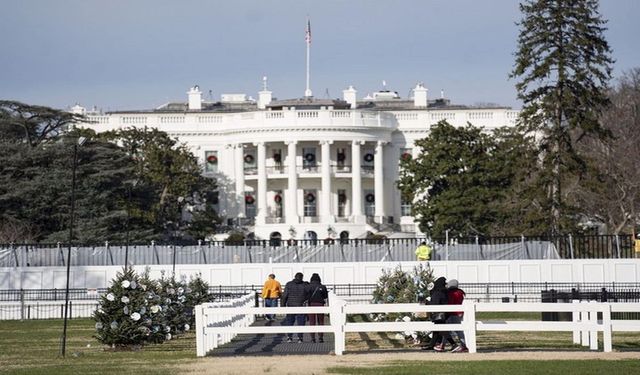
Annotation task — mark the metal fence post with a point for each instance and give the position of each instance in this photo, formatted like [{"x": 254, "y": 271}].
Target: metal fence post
[
  {"x": 618, "y": 245},
  {"x": 446, "y": 244},
  {"x": 571, "y": 246},
  {"x": 155, "y": 251},
  {"x": 106, "y": 244},
  {"x": 174, "y": 259},
  {"x": 21, "y": 304}
]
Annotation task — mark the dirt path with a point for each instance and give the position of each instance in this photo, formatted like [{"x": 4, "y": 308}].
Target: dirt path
[{"x": 317, "y": 364}]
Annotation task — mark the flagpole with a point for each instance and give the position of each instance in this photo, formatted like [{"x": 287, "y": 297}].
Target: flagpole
[{"x": 307, "y": 92}]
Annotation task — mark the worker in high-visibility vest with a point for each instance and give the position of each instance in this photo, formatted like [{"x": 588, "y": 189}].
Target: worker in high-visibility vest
[{"x": 423, "y": 252}]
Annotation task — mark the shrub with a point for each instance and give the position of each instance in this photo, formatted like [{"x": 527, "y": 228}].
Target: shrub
[
  {"x": 129, "y": 313},
  {"x": 235, "y": 239},
  {"x": 399, "y": 286},
  {"x": 197, "y": 294},
  {"x": 173, "y": 295}
]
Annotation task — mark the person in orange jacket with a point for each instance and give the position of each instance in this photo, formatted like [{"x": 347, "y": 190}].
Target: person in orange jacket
[{"x": 271, "y": 294}]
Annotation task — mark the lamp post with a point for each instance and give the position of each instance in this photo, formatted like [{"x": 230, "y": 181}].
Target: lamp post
[
  {"x": 74, "y": 166},
  {"x": 126, "y": 248}
]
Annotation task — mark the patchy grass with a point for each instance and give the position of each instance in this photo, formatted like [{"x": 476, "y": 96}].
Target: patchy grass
[
  {"x": 588, "y": 367},
  {"x": 33, "y": 347}
]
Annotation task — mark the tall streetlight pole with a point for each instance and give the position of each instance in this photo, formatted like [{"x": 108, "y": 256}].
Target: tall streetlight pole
[{"x": 74, "y": 166}]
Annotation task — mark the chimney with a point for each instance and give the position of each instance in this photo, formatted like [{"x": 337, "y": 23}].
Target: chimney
[
  {"x": 264, "y": 96},
  {"x": 195, "y": 98},
  {"x": 420, "y": 96},
  {"x": 349, "y": 96}
]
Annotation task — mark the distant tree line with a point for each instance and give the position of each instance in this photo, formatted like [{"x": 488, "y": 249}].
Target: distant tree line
[{"x": 132, "y": 184}]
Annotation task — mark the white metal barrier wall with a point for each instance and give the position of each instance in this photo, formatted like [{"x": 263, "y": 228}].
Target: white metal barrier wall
[{"x": 218, "y": 323}]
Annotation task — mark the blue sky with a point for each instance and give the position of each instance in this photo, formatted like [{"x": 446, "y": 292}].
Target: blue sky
[{"x": 128, "y": 54}]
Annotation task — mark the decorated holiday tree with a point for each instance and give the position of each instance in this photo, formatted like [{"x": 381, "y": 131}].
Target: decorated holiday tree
[
  {"x": 197, "y": 294},
  {"x": 399, "y": 286},
  {"x": 173, "y": 294},
  {"x": 129, "y": 314}
]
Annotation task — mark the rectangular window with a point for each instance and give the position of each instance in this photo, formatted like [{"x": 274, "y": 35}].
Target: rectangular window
[
  {"x": 405, "y": 207},
  {"x": 369, "y": 203},
  {"x": 250, "y": 163},
  {"x": 277, "y": 161},
  {"x": 278, "y": 202},
  {"x": 249, "y": 204},
  {"x": 310, "y": 200},
  {"x": 405, "y": 154},
  {"x": 342, "y": 202},
  {"x": 309, "y": 159},
  {"x": 211, "y": 161}
]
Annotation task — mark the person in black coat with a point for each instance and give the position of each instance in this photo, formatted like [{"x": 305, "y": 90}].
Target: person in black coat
[
  {"x": 295, "y": 295},
  {"x": 438, "y": 296},
  {"x": 318, "y": 295}
]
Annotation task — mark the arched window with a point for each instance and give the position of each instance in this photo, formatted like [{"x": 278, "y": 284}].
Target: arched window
[
  {"x": 344, "y": 237},
  {"x": 311, "y": 237},
  {"x": 275, "y": 239}
]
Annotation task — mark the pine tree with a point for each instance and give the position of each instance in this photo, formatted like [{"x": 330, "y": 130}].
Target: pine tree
[
  {"x": 398, "y": 286},
  {"x": 129, "y": 314},
  {"x": 563, "y": 65},
  {"x": 197, "y": 294},
  {"x": 173, "y": 296}
]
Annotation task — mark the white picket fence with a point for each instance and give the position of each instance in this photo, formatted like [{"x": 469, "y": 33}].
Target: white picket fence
[{"x": 218, "y": 323}]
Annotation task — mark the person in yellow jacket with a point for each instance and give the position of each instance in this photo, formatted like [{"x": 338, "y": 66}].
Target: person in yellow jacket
[
  {"x": 423, "y": 252},
  {"x": 271, "y": 294}
]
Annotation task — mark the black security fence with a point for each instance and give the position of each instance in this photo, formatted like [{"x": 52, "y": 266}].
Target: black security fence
[
  {"x": 309, "y": 251},
  {"x": 482, "y": 292}
]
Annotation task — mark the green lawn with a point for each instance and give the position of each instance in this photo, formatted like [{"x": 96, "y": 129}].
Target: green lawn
[
  {"x": 33, "y": 347},
  {"x": 592, "y": 367}
]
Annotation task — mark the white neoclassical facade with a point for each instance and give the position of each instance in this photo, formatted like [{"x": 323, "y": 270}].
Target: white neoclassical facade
[{"x": 306, "y": 168}]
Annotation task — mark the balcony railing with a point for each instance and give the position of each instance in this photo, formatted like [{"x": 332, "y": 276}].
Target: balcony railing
[
  {"x": 367, "y": 169},
  {"x": 277, "y": 169},
  {"x": 274, "y": 220},
  {"x": 342, "y": 168},
  {"x": 311, "y": 219},
  {"x": 308, "y": 168}
]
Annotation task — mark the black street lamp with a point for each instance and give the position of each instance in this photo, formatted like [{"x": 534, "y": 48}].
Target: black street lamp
[
  {"x": 126, "y": 248},
  {"x": 74, "y": 166}
]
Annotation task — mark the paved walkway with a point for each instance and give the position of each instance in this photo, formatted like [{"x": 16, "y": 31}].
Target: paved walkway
[{"x": 270, "y": 344}]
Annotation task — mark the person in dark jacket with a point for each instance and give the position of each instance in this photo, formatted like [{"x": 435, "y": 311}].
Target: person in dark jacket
[
  {"x": 438, "y": 296},
  {"x": 295, "y": 295},
  {"x": 318, "y": 295},
  {"x": 456, "y": 297}
]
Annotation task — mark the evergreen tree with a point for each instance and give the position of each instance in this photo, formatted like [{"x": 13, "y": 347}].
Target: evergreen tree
[
  {"x": 563, "y": 65},
  {"x": 174, "y": 183},
  {"x": 130, "y": 313},
  {"x": 462, "y": 176},
  {"x": 173, "y": 294},
  {"x": 399, "y": 286},
  {"x": 197, "y": 294}
]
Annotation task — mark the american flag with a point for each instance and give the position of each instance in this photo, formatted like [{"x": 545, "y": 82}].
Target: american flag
[{"x": 307, "y": 32}]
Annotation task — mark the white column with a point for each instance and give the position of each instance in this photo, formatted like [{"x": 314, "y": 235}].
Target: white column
[
  {"x": 325, "y": 210},
  {"x": 262, "y": 183},
  {"x": 291, "y": 196},
  {"x": 239, "y": 172},
  {"x": 356, "y": 181},
  {"x": 379, "y": 182}
]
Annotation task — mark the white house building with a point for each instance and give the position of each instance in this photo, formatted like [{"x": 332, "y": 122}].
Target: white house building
[{"x": 306, "y": 168}]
